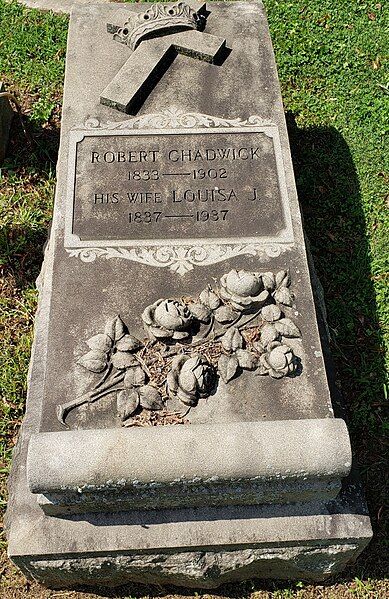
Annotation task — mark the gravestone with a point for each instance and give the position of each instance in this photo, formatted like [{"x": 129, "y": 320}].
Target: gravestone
[
  {"x": 179, "y": 425},
  {"x": 57, "y": 6}
]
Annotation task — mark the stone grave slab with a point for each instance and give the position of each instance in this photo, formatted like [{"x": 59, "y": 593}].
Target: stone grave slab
[
  {"x": 179, "y": 425},
  {"x": 58, "y": 6}
]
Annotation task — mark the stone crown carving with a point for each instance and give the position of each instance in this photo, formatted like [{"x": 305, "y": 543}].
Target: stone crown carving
[{"x": 159, "y": 19}]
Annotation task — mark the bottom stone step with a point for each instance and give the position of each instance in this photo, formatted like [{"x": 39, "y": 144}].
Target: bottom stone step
[{"x": 197, "y": 547}]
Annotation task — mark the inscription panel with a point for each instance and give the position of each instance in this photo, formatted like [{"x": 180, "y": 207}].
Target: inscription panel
[{"x": 131, "y": 187}]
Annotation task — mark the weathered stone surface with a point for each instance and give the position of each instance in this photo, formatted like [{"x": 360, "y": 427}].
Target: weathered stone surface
[
  {"x": 6, "y": 115},
  {"x": 118, "y": 251},
  {"x": 201, "y": 547},
  {"x": 59, "y": 6},
  {"x": 99, "y": 238},
  {"x": 201, "y": 569},
  {"x": 240, "y": 463},
  {"x": 133, "y": 290}
]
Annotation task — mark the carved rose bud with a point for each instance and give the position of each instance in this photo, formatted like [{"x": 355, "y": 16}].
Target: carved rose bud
[
  {"x": 190, "y": 378},
  {"x": 167, "y": 319},
  {"x": 278, "y": 361},
  {"x": 242, "y": 289}
]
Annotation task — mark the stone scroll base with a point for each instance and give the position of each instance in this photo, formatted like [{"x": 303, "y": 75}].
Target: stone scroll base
[
  {"x": 193, "y": 547},
  {"x": 243, "y": 463},
  {"x": 199, "y": 547}
]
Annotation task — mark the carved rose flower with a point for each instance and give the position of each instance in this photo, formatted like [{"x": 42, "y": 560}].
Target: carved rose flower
[
  {"x": 278, "y": 361},
  {"x": 242, "y": 289},
  {"x": 190, "y": 379},
  {"x": 167, "y": 319}
]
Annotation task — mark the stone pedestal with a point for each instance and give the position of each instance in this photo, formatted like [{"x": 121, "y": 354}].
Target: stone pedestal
[{"x": 179, "y": 425}]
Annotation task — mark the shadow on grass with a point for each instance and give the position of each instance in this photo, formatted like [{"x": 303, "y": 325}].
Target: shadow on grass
[
  {"x": 31, "y": 157},
  {"x": 334, "y": 223}
]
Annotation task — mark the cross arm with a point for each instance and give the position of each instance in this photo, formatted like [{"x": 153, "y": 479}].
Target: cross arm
[{"x": 149, "y": 62}]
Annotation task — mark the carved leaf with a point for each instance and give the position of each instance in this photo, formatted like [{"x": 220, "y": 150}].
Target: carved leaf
[
  {"x": 246, "y": 359},
  {"x": 122, "y": 360},
  {"x": 150, "y": 398},
  {"x": 100, "y": 342},
  {"x": 200, "y": 311},
  {"x": 210, "y": 299},
  {"x": 94, "y": 360},
  {"x": 271, "y": 313},
  {"x": 268, "y": 281},
  {"x": 115, "y": 328},
  {"x": 282, "y": 279},
  {"x": 283, "y": 296},
  {"x": 128, "y": 343},
  {"x": 134, "y": 377},
  {"x": 258, "y": 346},
  {"x": 232, "y": 339},
  {"x": 127, "y": 402},
  {"x": 224, "y": 314},
  {"x": 262, "y": 370},
  {"x": 227, "y": 367},
  {"x": 287, "y": 328},
  {"x": 268, "y": 334}
]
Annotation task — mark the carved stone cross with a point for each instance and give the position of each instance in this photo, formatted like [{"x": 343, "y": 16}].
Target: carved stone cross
[{"x": 156, "y": 36}]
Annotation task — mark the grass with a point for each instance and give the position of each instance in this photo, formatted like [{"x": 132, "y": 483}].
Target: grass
[{"x": 333, "y": 72}]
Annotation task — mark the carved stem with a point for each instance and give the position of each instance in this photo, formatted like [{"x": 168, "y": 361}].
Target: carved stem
[
  {"x": 144, "y": 366},
  {"x": 206, "y": 332},
  {"x": 64, "y": 409},
  {"x": 107, "y": 391},
  {"x": 117, "y": 377},
  {"x": 104, "y": 378},
  {"x": 250, "y": 319}
]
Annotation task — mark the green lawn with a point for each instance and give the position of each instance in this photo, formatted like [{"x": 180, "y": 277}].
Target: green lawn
[{"x": 334, "y": 76}]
